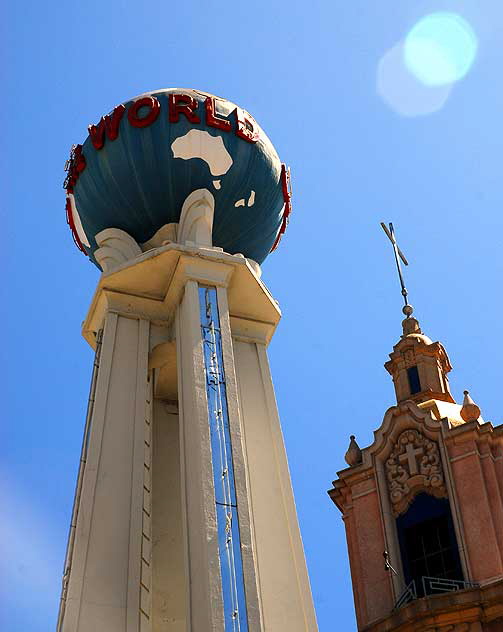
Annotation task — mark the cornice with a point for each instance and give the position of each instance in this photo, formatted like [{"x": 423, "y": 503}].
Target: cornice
[
  {"x": 440, "y": 613},
  {"x": 474, "y": 430},
  {"x": 151, "y": 285},
  {"x": 434, "y": 349}
]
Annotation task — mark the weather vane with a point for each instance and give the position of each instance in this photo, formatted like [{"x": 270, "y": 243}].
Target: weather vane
[{"x": 406, "y": 309}]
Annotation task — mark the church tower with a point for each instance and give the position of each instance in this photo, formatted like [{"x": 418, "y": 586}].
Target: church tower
[{"x": 422, "y": 505}]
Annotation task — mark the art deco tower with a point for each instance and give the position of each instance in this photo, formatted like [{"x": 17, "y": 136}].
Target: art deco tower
[
  {"x": 422, "y": 505},
  {"x": 184, "y": 518}
]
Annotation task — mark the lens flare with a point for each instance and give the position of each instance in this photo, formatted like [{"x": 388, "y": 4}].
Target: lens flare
[
  {"x": 402, "y": 91},
  {"x": 440, "y": 49}
]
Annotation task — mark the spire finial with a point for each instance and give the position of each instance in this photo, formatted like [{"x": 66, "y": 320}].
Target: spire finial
[
  {"x": 411, "y": 326},
  {"x": 353, "y": 455},
  {"x": 469, "y": 410},
  {"x": 390, "y": 232}
]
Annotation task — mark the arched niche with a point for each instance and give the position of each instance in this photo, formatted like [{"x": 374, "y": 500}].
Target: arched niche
[{"x": 427, "y": 542}]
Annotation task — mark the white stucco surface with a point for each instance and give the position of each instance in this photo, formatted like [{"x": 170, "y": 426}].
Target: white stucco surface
[{"x": 146, "y": 549}]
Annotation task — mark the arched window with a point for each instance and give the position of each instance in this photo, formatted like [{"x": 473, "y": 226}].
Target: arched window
[
  {"x": 427, "y": 541},
  {"x": 414, "y": 381}
]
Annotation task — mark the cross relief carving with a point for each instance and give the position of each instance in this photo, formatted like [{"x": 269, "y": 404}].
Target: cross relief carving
[
  {"x": 413, "y": 466},
  {"x": 410, "y": 457}
]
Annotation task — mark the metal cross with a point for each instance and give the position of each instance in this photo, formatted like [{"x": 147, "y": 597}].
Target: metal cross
[{"x": 407, "y": 309}]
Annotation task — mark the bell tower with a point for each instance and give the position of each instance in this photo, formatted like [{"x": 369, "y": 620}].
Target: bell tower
[
  {"x": 419, "y": 366},
  {"x": 422, "y": 504}
]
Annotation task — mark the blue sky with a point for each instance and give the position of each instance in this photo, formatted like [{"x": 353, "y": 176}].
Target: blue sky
[{"x": 311, "y": 74}]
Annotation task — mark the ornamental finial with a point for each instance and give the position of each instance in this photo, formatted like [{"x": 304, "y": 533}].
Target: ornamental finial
[
  {"x": 354, "y": 455},
  {"x": 469, "y": 410},
  {"x": 411, "y": 326}
]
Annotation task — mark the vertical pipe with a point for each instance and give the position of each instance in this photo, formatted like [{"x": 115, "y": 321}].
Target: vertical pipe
[{"x": 78, "y": 487}]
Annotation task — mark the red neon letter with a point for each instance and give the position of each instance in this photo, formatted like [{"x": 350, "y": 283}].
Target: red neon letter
[
  {"x": 182, "y": 104},
  {"x": 287, "y": 197},
  {"x": 245, "y": 126},
  {"x": 79, "y": 159},
  {"x": 71, "y": 223},
  {"x": 109, "y": 124},
  {"x": 211, "y": 116},
  {"x": 75, "y": 165},
  {"x": 150, "y": 102}
]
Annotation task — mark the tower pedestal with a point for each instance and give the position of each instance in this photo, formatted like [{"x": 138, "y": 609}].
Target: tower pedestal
[{"x": 186, "y": 519}]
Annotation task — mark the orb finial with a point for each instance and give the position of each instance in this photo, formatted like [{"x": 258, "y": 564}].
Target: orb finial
[
  {"x": 407, "y": 310},
  {"x": 469, "y": 410}
]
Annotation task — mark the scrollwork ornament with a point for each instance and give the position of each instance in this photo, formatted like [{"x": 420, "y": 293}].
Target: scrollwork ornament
[{"x": 413, "y": 466}]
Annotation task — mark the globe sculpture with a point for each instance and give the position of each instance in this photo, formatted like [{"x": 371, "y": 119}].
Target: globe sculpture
[{"x": 140, "y": 163}]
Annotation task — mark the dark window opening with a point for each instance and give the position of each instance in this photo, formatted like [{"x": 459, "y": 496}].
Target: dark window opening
[
  {"x": 414, "y": 383},
  {"x": 427, "y": 541}
]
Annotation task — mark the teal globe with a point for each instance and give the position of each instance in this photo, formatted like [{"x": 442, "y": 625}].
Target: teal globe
[{"x": 140, "y": 162}]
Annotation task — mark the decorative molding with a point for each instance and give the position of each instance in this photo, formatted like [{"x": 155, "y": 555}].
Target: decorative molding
[
  {"x": 365, "y": 493},
  {"x": 459, "y": 457},
  {"x": 165, "y": 235},
  {"x": 414, "y": 465},
  {"x": 455, "y": 627},
  {"x": 115, "y": 247},
  {"x": 398, "y": 418},
  {"x": 155, "y": 288},
  {"x": 196, "y": 219}
]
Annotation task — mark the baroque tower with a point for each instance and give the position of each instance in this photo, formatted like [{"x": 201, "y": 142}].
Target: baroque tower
[
  {"x": 184, "y": 517},
  {"x": 422, "y": 505}
]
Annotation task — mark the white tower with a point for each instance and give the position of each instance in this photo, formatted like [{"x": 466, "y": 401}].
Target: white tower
[{"x": 184, "y": 516}]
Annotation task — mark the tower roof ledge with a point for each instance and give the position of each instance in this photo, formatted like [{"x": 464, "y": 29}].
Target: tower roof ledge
[
  {"x": 418, "y": 337},
  {"x": 151, "y": 285},
  {"x": 424, "y": 346},
  {"x": 441, "y": 409}
]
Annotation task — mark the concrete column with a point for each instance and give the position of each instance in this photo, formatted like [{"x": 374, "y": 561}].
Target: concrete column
[
  {"x": 204, "y": 599},
  {"x": 253, "y": 605},
  {"x": 285, "y": 594},
  {"x": 168, "y": 561},
  {"x": 105, "y": 576},
  {"x": 146, "y": 557}
]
